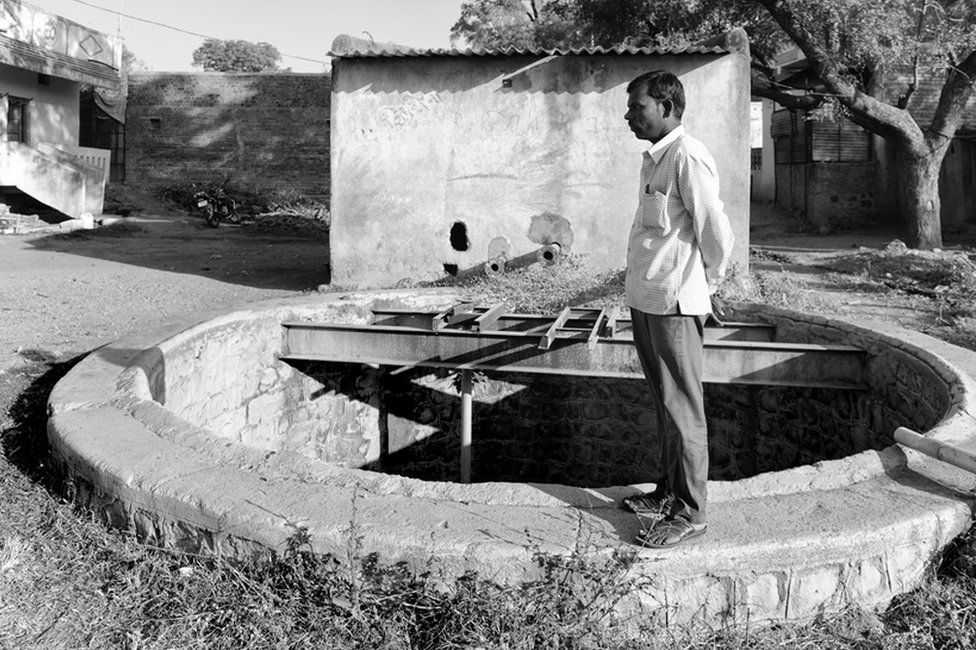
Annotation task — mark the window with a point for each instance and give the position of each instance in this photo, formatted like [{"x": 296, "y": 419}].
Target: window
[{"x": 17, "y": 119}]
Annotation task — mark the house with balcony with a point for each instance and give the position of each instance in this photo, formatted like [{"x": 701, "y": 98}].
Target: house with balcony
[{"x": 45, "y": 61}]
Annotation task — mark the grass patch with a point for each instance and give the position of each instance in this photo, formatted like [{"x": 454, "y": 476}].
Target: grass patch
[
  {"x": 948, "y": 278},
  {"x": 948, "y": 281}
]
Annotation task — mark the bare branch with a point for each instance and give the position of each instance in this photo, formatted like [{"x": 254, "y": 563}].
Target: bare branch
[
  {"x": 912, "y": 86},
  {"x": 919, "y": 28}
]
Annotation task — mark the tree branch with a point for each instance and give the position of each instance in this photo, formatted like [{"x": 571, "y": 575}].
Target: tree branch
[
  {"x": 956, "y": 92},
  {"x": 913, "y": 85},
  {"x": 761, "y": 87},
  {"x": 866, "y": 111}
]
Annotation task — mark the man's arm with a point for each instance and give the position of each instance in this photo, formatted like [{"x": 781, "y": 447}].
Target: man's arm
[{"x": 698, "y": 185}]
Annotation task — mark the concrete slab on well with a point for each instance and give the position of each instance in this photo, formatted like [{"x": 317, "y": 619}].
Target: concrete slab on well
[{"x": 177, "y": 436}]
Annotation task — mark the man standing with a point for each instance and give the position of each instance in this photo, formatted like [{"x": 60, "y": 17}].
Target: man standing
[{"x": 677, "y": 256}]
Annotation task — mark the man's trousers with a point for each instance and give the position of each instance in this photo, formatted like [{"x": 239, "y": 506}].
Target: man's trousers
[{"x": 671, "y": 353}]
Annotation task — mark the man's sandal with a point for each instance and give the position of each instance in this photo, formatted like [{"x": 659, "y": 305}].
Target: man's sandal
[
  {"x": 668, "y": 533},
  {"x": 647, "y": 504}
]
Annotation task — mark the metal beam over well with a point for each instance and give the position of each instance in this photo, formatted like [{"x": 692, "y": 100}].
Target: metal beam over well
[{"x": 578, "y": 342}]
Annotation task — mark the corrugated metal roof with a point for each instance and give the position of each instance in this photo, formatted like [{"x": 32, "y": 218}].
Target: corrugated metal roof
[
  {"x": 381, "y": 51},
  {"x": 345, "y": 46}
]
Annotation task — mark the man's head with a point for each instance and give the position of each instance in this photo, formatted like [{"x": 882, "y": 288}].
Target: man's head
[{"x": 655, "y": 104}]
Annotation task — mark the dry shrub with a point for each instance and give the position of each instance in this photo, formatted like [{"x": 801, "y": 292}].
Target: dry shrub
[{"x": 537, "y": 288}]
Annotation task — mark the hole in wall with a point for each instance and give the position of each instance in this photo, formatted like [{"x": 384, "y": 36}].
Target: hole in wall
[
  {"x": 459, "y": 236},
  {"x": 450, "y": 269}
]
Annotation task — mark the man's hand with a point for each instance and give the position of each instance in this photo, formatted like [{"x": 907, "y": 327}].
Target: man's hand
[{"x": 718, "y": 315}]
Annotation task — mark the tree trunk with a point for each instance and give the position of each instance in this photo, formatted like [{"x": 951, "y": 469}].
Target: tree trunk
[{"x": 918, "y": 196}]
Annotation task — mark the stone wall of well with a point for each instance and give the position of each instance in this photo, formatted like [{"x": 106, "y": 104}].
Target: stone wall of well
[{"x": 580, "y": 431}]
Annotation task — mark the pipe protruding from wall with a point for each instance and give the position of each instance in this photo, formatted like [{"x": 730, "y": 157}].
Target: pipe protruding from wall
[
  {"x": 550, "y": 253},
  {"x": 499, "y": 252},
  {"x": 495, "y": 267}
]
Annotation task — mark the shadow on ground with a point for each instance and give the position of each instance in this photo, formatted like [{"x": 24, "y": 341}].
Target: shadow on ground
[
  {"x": 245, "y": 255},
  {"x": 24, "y": 390}
]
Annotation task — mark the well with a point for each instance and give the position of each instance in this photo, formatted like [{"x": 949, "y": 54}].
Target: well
[{"x": 199, "y": 437}]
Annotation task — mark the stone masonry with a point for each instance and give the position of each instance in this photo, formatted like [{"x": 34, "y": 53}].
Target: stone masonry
[{"x": 267, "y": 131}]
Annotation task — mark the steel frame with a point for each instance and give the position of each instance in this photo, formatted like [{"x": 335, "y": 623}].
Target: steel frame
[{"x": 580, "y": 342}]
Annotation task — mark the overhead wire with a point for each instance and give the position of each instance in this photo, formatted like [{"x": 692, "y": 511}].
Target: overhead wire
[{"x": 180, "y": 29}]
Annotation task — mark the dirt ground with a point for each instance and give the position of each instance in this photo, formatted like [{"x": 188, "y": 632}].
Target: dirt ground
[
  {"x": 68, "y": 293},
  {"x": 64, "y": 294}
]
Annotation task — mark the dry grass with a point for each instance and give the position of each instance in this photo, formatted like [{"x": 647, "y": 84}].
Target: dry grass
[
  {"x": 536, "y": 288},
  {"x": 947, "y": 281}
]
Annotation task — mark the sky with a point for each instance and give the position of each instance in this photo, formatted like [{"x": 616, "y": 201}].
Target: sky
[{"x": 303, "y": 28}]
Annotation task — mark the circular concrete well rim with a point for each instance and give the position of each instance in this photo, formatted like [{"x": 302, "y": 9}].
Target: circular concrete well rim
[{"x": 784, "y": 545}]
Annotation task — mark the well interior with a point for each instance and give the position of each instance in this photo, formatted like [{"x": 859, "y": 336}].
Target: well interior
[{"x": 528, "y": 428}]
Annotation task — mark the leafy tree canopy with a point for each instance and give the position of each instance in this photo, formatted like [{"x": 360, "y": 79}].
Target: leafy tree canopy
[
  {"x": 589, "y": 23},
  {"x": 236, "y": 56},
  {"x": 131, "y": 62}
]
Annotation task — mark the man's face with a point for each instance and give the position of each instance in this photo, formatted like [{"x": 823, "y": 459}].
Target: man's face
[{"x": 646, "y": 116}]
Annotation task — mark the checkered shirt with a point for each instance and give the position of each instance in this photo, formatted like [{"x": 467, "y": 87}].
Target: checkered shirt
[{"x": 681, "y": 241}]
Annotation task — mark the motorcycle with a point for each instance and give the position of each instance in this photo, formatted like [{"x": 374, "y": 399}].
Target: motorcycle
[{"x": 216, "y": 206}]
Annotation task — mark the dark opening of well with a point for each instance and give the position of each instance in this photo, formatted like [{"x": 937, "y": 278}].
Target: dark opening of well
[{"x": 587, "y": 432}]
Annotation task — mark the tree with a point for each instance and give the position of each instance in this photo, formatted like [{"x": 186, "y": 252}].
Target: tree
[
  {"x": 131, "y": 62},
  {"x": 853, "y": 46},
  {"x": 236, "y": 56},
  {"x": 589, "y": 23}
]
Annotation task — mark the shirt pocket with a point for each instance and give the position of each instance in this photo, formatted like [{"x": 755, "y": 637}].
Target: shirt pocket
[{"x": 654, "y": 211}]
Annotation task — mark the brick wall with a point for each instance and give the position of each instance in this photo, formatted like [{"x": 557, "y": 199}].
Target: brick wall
[
  {"x": 589, "y": 432},
  {"x": 841, "y": 195},
  {"x": 925, "y": 99},
  {"x": 264, "y": 131},
  {"x": 830, "y": 195}
]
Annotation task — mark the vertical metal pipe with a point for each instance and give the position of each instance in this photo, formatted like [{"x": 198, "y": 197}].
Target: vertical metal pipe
[{"x": 466, "y": 417}]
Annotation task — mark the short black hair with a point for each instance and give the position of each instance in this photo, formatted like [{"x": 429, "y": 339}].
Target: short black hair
[{"x": 662, "y": 85}]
